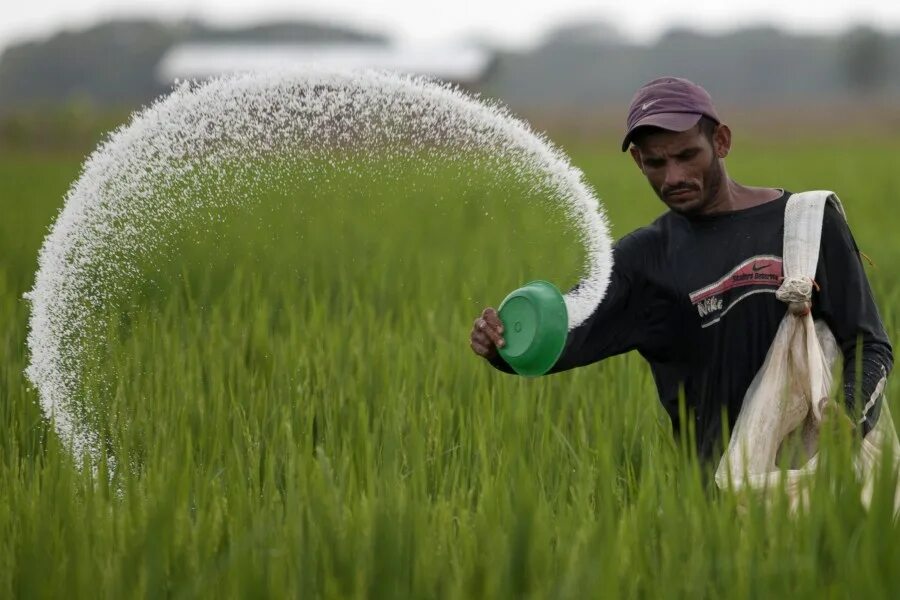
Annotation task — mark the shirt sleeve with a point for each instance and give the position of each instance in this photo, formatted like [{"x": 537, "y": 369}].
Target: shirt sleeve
[
  {"x": 615, "y": 326},
  {"x": 846, "y": 304}
]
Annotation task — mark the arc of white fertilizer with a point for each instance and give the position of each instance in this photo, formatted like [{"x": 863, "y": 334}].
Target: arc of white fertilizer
[{"x": 125, "y": 166}]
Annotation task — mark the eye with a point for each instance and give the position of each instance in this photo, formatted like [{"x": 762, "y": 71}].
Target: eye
[
  {"x": 688, "y": 154},
  {"x": 653, "y": 163}
]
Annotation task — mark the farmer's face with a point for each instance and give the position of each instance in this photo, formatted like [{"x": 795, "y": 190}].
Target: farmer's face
[{"x": 683, "y": 168}]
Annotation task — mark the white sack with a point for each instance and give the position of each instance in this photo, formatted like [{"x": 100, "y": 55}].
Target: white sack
[{"x": 790, "y": 393}]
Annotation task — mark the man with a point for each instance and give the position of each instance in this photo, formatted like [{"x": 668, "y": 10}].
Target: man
[{"x": 694, "y": 292}]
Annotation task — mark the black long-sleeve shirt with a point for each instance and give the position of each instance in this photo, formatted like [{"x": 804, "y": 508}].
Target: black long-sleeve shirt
[{"x": 695, "y": 296}]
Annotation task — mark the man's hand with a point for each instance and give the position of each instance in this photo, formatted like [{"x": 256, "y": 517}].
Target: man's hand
[{"x": 487, "y": 334}]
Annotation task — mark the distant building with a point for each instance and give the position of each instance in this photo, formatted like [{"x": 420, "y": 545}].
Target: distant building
[{"x": 464, "y": 65}]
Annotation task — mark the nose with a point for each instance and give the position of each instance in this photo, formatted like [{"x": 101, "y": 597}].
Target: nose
[{"x": 674, "y": 175}]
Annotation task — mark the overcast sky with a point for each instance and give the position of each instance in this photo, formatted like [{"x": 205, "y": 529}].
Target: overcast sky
[{"x": 510, "y": 22}]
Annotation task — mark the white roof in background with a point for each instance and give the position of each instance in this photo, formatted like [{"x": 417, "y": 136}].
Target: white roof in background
[{"x": 202, "y": 60}]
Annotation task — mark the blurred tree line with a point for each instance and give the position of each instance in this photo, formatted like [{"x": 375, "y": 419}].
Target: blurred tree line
[
  {"x": 589, "y": 65},
  {"x": 113, "y": 65},
  {"x": 81, "y": 77}
]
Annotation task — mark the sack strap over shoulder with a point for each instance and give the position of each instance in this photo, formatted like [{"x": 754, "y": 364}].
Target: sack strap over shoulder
[{"x": 802, "y": 239}]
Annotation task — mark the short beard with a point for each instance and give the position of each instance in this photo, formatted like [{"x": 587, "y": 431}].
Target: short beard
[{"x": 712, "y": 177}]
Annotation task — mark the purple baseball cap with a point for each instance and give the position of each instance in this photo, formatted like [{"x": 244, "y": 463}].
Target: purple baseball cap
[{"x": 670, "y": 103}]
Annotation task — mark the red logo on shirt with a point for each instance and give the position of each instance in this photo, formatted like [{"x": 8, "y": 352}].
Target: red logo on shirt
[{"x": 757, "y": 274}]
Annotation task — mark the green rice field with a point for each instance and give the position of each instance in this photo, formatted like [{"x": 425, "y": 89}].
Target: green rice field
[{"x": 296, "y": 412}]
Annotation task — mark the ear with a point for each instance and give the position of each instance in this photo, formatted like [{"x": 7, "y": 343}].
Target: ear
[
  {"x": 722, "y": 140},
  {"x": 636, "y": 155}
]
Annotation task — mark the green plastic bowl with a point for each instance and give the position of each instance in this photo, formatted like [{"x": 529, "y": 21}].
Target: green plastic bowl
[{"x": 535, "y": 327}]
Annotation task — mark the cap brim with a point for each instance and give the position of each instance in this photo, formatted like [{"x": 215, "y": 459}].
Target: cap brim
[{"x": 669, "y": 121}]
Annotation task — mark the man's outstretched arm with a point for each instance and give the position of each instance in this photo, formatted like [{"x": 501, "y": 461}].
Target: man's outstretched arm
[{"x": 613, "y": 328}]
